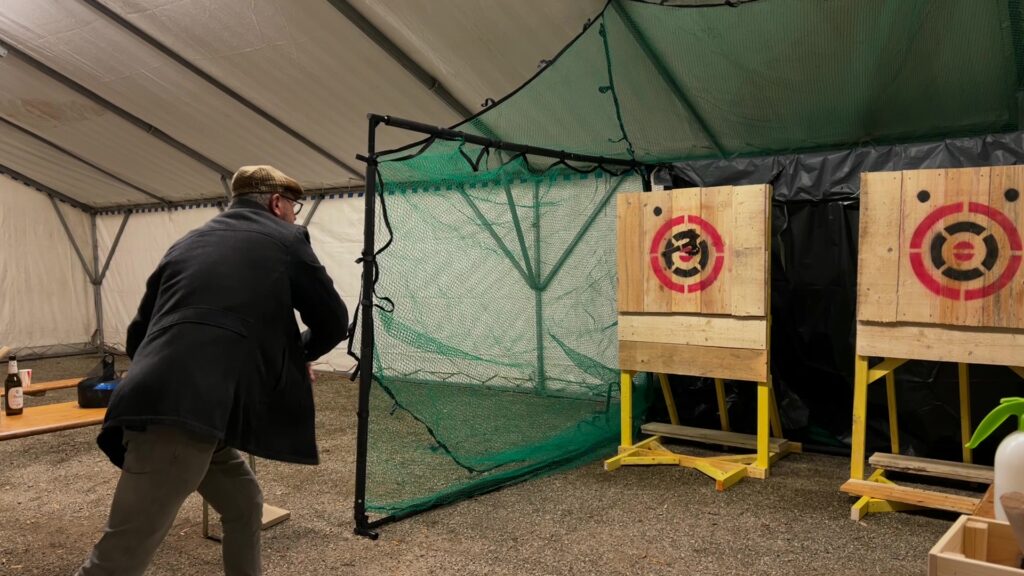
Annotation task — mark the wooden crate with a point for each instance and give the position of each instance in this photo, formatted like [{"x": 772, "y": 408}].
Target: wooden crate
[
  {"x": 940, "y": 274},
  {"x": 693, "y": 281},
  {"x": 976, "y": 546}
]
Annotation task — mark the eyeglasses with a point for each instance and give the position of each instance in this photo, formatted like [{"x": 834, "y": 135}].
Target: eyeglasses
[{"x": 296, "y": 205}]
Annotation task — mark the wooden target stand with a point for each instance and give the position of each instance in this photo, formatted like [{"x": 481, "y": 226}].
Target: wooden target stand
[
  {"x": 939, "y": 279},
  {"x": 694, "y": 301}
]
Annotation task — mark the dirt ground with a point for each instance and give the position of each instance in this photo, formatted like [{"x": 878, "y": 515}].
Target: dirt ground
[{"x": 55, "y": 490}]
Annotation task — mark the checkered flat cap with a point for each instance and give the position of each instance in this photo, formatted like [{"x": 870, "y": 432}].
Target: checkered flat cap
[{"x": 264, "y": 180}]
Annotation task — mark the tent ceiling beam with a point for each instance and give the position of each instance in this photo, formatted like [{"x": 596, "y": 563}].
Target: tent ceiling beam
[
  {"x": 219, "y": 201},
  {"x": 666, "y": 76},
  {"x": 121, "y": 112},
  {"x": 88, "y": 163},
  {"x": 46, "y": 189},
  {"x": 433, "y": 85},
  {"x": 185, "y": 63}
]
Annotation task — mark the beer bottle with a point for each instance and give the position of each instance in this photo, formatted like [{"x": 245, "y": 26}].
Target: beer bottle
[{"x": 13, "y": 400}]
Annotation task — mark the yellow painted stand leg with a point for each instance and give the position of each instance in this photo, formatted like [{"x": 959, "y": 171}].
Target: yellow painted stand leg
[
  {"x": 965, "y": 410},
  {"x": 894, "y": 429},
  {"x": 626, "y": 403},
  {"x": 726, "y": 470},
  {"x": 670, "y": 401},
  {"x": 763, "y": 435},
  {"x": 860, "y": 410},
  {"x": 723, "y": 409}
]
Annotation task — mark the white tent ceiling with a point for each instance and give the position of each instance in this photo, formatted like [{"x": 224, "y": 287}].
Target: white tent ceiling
[{"x": 125, "y": 102}]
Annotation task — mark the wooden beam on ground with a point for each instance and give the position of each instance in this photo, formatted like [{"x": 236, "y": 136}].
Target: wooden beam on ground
[
  {"x": 930, "y": 467},
  {"x": 704, "y": 435},
  {"x": 916, "y": 496}
]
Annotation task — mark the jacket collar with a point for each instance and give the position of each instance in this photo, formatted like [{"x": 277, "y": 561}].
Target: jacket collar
[{"x": 244, "y": 203}]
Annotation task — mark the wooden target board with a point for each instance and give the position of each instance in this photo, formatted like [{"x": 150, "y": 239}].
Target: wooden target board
[
  {"x": 693, "y": 281},
  {"x": 940, "y": 265}
]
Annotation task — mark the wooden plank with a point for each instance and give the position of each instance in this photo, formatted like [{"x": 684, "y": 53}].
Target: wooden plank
[
  {"x": 749, "y": 272},
  {"x": 963, "y": 186},
  {"x": 976, "y": 540},
  {"x": 931, "y": 467},
  {"x": 49, "y": 418},
  {"x": 686, "y": 202},
  {"x": 915, "y": 303},
  {"x": 1005, "y": 307},
  {"x": 716, "y": 210},
  {"x": 42, "y": 387},
  {"x": 916, "y": 496},
  {"x": 655, "y": 210},
  {"x": 987, "y": 507},
  {"x": 712, "y": 362},
  {"x": 717, "y": 437},
  {"x": 940, "y": 343},
  {"x": 694, "y": 330},
  {"x": 878, "y": 269},
  {"x": 632, "y": 254}
]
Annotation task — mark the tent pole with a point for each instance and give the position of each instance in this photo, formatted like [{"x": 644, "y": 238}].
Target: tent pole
[
  {"x": 366, "y": 335},
  {"x": 113, "y": 247},
  {"x": 71, "y": 238},
  {"x": 97, "y": 283},
  {"x": 312, "y": 210}
]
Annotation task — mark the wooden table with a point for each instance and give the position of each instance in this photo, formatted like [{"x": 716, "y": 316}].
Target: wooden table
[
  {"x": 49, "y": 418},
  {"x": 43, "y": 387},
  {"x": 69, "y": 415}
]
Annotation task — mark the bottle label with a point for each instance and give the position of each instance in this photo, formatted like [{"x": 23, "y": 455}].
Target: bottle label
[
  {"x": 15, "y": 400},
  {"x": 12, "y": 366}
]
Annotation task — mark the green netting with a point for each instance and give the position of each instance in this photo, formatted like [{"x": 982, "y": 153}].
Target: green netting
[{"x": 498, "y": 359}]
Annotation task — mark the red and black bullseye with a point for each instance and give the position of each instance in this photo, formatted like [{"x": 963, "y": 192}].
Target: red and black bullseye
[
  {"x": 687, "y": 254},
  {"x": 968, "y": 248}
]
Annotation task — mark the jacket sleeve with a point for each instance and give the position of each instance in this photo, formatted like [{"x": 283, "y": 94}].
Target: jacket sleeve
[
  {"x": 318, "y": 303},
  {"x": 140, "y": 324}
]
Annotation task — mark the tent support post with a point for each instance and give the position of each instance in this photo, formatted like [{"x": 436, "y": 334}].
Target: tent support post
[
  {"x": 365, "y": 368},
  {"x": 97, "y": 284}
]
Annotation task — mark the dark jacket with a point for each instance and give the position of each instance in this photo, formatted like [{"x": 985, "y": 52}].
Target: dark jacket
[{"x": 215, "y": 346}]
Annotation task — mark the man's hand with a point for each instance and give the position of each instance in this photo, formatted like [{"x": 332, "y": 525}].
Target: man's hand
[{"x": 312, "y": 374}]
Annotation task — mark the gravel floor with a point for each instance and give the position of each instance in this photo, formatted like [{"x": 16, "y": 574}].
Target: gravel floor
[{"x": 55, "y": 490}]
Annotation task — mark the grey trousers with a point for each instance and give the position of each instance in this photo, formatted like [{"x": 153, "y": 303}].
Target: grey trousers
[{"x": 162, "y": 467}]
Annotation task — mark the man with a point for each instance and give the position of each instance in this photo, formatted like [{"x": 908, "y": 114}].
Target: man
[{"x": 218, "y": 365}]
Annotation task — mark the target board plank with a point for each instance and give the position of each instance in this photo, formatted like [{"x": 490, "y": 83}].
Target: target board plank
[
  {"x": 716, "y": 210},
  {"x": 707, "y": 361},
  {"x": 700, "y": 257},
  {"x": 878, "y": 270},
  {"x": 631, "y": 275},
  {"x": 748, "y": 271},
  {"x": 914, "y": 302},
  {"x": 656, "y": 211},
  {"x": 695, "y": 330},
  {"x": 971, "y": 345},
  {"x": 685, "y": 201},
  {"x": 1005, "y": 307},
  {"x": 964, "y": 186}
]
